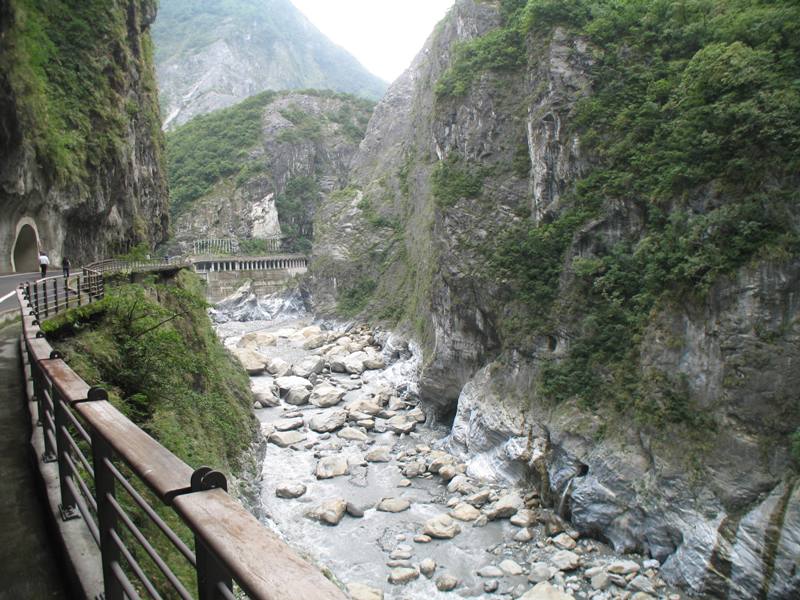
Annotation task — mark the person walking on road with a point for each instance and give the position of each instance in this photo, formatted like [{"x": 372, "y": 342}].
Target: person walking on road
[
  {"x": 65, "y": 267},
  {"x": 43, "y": 262}
]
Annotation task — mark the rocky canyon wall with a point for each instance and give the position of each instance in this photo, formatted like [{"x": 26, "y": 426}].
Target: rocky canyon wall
[
  {"x": 81, "y": 149},
  {"x": 618, "y": 329}
]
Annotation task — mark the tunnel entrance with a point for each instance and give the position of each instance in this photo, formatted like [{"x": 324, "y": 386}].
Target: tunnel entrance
[{"x": 26, "y": 250}]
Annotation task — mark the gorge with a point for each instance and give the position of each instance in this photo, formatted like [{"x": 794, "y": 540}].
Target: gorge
[{"x": 553, "y": 287}]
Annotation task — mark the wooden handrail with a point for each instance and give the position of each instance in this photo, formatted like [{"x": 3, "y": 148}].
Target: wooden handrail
[{"x": 260, "y": 563}]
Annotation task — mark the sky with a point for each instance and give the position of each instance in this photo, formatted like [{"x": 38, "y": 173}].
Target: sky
[{"x": 384, "y": 35}]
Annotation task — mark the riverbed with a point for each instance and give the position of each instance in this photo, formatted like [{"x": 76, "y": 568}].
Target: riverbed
[{"x": 355, "y": 472}]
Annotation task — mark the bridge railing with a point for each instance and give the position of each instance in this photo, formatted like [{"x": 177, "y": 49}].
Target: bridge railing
[{"x": 105, "y": 463}]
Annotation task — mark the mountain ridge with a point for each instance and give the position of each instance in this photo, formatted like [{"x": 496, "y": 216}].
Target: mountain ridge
[{"x": 214, "y": 55}]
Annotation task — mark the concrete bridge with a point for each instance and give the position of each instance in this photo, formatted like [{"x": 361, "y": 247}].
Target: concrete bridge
[
  {"x": 225, "y": 274},
  {"x": 94, "y": 464}
]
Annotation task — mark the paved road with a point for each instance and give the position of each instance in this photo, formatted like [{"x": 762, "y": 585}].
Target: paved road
[{"x": 9, "y": 283}]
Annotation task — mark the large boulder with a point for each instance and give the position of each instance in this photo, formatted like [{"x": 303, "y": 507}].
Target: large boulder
[
  {"x": 256, "y": 339},
  {"x": 441, "y": 526},
  {"x": 329, "y": 512},
  {"x": 278, "y": 367},
  {"x": 252, "y": 361},
  {"x": 354, "y": 363},
  {"x": 325, "y": 395},
  {"x": 284, "y": 384},
  {"x": 297, "y": 396},
  {"x": 309, "y": 366},
  {"x": 328, "y": 420},
  {"x": 284, "y": 439},
  {"x": 393, "y": 505},
  {"x": 545, "y": 591},
  {"x": 329, "y": 467},
  {"x": 401, "y": 424}
]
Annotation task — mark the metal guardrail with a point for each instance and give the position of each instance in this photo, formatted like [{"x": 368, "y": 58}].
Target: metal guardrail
[
  {"x": 53, "y": 295},
  {"x": 95, "y": 445}
]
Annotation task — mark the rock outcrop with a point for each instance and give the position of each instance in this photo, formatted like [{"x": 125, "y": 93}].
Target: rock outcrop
[{"x": 80, "y": 143}]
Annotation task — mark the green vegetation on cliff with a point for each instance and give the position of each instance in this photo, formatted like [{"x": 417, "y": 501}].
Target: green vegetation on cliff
[
  {"x": 693, "y": 123},
  {"x": 150, "y": 344},
  {"x": 72, "y": 65}
]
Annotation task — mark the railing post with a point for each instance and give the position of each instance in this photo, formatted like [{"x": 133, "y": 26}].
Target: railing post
[
  {"x": 38, "y": 393},
  {"x": 211, "y": 574},
  {"x": 68, "y": 508},
  {"x": 36, "y": 299},
  {"x": 55, "y": 296},
  {"x": 106, "y": 516}
]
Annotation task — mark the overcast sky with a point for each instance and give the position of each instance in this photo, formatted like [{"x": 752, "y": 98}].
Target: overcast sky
[{"x": 384, "y": 35}]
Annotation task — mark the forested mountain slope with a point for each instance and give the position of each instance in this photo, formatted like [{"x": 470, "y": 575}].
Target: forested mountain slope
[{"x": 256, "y": 170}]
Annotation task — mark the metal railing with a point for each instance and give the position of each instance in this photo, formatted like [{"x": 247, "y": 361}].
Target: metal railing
[
  {"x": 53, "y": 295},
  {"x": 105, "y": 462}
]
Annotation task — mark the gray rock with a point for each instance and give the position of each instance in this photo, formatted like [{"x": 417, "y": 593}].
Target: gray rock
[
  {"x": 562, "y": 540},
  {"x": 309, "y": 366},
  {"x": 393, "y": 505},
  {"x": 325, "y": 395},
  {"x": 403, "y": 575},
  {"x": 266, "y": 399},
  {"x": 354, "y": 511},
  {"x": 326, "y": 421},
  {"x": 505, "y": 507},
  {"x": 523, "y": 518},
  {"x": 509, "y": 567},
  {"x": 600, "y": 581},
  {"x": 564, "y": 560},
  {"x": 623, "y": 567},
  {"x": 278, "y": 367},
  {"x": 284, "y": 439},
  {"x": 441, "y": 526},
  {"x": 490, "y": 571},
  {"x": 284, "y": 384},
  {"x": 446, "y": 583},
  {"x": 289, "y": 424},
  {"x": 354, "y": 363},
  {"x": 401, "y": 424},
  {"x": 290, "y": 490},
  {"x": 540, "y": 572},
  {"x": 465, "y": 512},
  {"x": 524, "y": 535},
  {"x": 427, "y": 567},
  {"x": 360, "y": 591},
  {"x": 380, "y": 454},
  {"x": 331, "y": 466},
  {"x": 352, "y": 434},
  {"x": 253, "y": 362},
  {"x": 640, "y": 583},
  {"x": 297, "y": 396},
  {"x": 491, "y": 586},
  {"x": 329, "y": 512}
]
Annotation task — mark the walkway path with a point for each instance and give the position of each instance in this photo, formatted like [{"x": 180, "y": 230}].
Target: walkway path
[{"x": 28, "y": 567}]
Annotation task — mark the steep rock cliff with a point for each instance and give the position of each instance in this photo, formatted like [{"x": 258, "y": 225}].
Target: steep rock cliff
[
  {"x": 581, "y": 220},
  {"x": 214, "y": 54},
  {"x": 80, "y": 158},
  {"x": 256, "y": 170}
]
